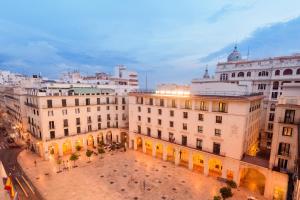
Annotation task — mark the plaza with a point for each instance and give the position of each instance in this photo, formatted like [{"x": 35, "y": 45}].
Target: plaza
[{"x": 121, "y": 175}]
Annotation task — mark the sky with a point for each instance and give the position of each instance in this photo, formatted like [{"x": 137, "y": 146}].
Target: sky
[{"x": 170, "y": 40}]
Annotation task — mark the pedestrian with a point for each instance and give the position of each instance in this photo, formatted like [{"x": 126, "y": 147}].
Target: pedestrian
[
  {"x": 64, "y": 167},
  {"x": 35, "y": 163},
  {"x": 67, "y": 164}
]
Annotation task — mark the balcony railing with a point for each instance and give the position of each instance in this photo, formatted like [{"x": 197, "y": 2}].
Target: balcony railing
[{"x": 284, "y": 120}]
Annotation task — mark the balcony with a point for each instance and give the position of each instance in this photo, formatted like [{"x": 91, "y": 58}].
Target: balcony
[
  {"x": 284, "y": 120},
  {"x": 30, "y": 104}
]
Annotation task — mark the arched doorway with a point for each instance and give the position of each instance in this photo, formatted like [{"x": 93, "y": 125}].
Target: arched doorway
[
  {"x": 124, "y": 139},
  {"x": 79, "y": 144},
  {"x": 67, "y": 147},
  {"x": 90, "y": 142},
  {"x": 53, "y": 149},
  {"x": 253, "y": 180},
  {"x": 109, "y": 137},
  {"x": 148, "y": 145},
  {"x": 184, "y": 158},
  {"x": 100, "y": 138},
  {"x": 215, "y": 167},
  {"x": 139, "y": 144},
  {"x": 198, "y": 163},
  {"x": 170, "y": 153},
  {"x": 159, "y": 151}
]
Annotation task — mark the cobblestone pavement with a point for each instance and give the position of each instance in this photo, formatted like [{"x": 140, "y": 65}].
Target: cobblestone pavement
[{"x": 130, "y": 175}]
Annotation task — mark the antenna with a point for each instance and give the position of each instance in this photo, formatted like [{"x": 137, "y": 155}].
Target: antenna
[{"x": 146, "y": 81}]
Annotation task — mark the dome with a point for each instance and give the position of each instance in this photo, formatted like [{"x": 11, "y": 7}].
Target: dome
[{"x": 235, "y": 55}]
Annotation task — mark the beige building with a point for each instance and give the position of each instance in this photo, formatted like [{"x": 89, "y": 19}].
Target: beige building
[
  {"x": 59, "y": 119},
  {"x": 209, "y": 133}
]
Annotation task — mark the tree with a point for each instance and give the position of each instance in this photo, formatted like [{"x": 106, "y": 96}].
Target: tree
[
  {"x": 231, "y": 183},
  {"x": 73, "y": 158},
  {"x": 217, "y": 197},
  {"x": 58, "y": 161},
  {"x": 226, "y": 192},
  {"x": 101, "y": 152},
  {"x": 88, "y": 154}
]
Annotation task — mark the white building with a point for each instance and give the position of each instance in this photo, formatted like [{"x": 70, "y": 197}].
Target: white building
[{"x": 266, "y": 76}]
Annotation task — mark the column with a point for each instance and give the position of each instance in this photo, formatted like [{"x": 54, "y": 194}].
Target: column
[
  {"x": 206, "y": 166},
  {"x": 84, "y": 143},
  {"x": 73, "y": 143},
  {"x": 134, "y": 141},
  {"x": 177, "y": 158},
  {"x": 165, "y": 153},
  {"x": 154, "y": 149},
  {"x": 191, "y": 162},
  {"x": 144, "y": 145},
  {"x": 45, "y": 153}
]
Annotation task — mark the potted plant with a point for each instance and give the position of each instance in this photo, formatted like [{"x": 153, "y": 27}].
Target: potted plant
[
  {"x": 226, "y": 192},
  {"x": 88, "y": 154},
  {"x": 73, "y": 158},
  {"x": 101, "y": 152}
]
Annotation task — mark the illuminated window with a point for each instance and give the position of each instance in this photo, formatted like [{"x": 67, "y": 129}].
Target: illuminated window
[{"x": 287, "y": 131}]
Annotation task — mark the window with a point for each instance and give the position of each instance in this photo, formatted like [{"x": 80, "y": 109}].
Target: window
[
  {"x": 277, "y": 72},
  {"x": 202, "y": 106},
  {"x": 171, "y": 113},
  {"x": 78, "y": 121},
  {"x": 159, "y": 121},
  {"x": 139, "y": 118},
  {"x": 185, "y": 115},
  {"x": 159, "y": 134},
  {"x": 284, "y": 149},
  {"x": 87, "y": 101},
  {"x": 173, "y": 103},
  {"x": 108, "y": 124},
  {"x": 151, "y": 101},
  {"x": 248, "y": 74},
  {"x": 99, "y": 118},
  {"x": 287, "y": 131},
  {"x": 149, "y": 120},
  {"x": 261, "y": 86},
  {"x": 171, "y": 124},
  {"x": 123, "y": 107},
  {"x": 107, "y": 100},
  {"x": 222, "y": 107},
  {"x": 89, "y": 119},
  {"x": 289, "y": 116},
  {"x": 287, "y": 72},
  {"x": 224, "y": 77},
  {"x": 187, "y": 104},
  {"x": 50, "y": 113},
  {"x": 184, "y": 140},
  {"x": 99, "y": 126},
  {"x": 219, "y": 119},
  {"x": 233, "y": 75},
  {"x": 52, "y": 134},
  {"x": 159, "y": 111},
  {"x": 272, "y": 107},
  {"x": 66, "y": 132},
  {"x": 149, "y": 110},
  {"x": 217, "y": 132},
  {"x": 49, "y": 103},
  {"x": 271, "y": 117},
  {"x": 64, "y": 111},
  {"x": 65, "y": 123},
  {"x": 89, "y": 128},
  {"x": 51, "y": 125},
  {"x": 64, "y": 102},
  {"x": 107, "y": 107},
  {"x": 240, "y": 74},
  {"x": 123, "y": 100},
  {"x": 139, "y": 130},
  {"x": 161, "y": 102},
  {"x": 216, "y": 148},
  {"x": 282, "y": 163},
  {"x": 200, "y": 129},
  {"x": 274, "y": 95},
  {"x": 298, "y": 71},
  {"x": 77, "y": 110},
  {"x": 171, "y": 137},
  {"x": 200, "y": 117},
  {"x": 184, "y": 126},
  {"x": 78, "y": 129},
  {"x": 270, "y": 126},
  {"x": 139, "y": 109},
  {"x": 98, "y": 101},
  {"x": 199, "y": 144},
  {"x": 275, "y": 85},
  {"x": 108, "y": 116},
  {"x": 148, "y": 131},
  {"x": 76, "y": 102}
]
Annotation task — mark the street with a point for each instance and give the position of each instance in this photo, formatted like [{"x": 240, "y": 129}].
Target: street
[{"x": 22, "y": 185}]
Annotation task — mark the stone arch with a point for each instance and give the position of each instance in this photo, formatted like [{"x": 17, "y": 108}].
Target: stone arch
[
  {"x": 90, "y": 142},
  {"x": 253, "y": 179},
  {"x": 67, "y": 147},
  {"x": 139, "y": 143},
  {"x": 240, "y": 74},
  {"x": 184, "y": 157},
  {"x": 198, "y": 162},
  {"x": 109, "y": 137},
  {"x": 124, "y": 138},
  {"x": 148, "y": 146},
  {"x": 298, "y": 71},
  {"x": 53, "y": 149},
  {"x": 100, "y": 138},
  {"x": 277, "y": 72},
  {"x": 215, "y": 167},
  {"x": 288, "y": 72}
]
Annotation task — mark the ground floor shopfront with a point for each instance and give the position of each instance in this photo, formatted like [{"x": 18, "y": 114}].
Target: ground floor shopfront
[
  {"x": 68, "y": 145},
  {"x": 271, "y": 184}
]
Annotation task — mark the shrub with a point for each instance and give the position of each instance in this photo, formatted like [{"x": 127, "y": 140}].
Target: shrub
[
  {"x": 217, "y": 197},
  {"x": 226, "y": 192},
  {"x": 78, "y": 148},
  {"x": 88, "y": 154},
  {"x": 231, "y": 183}
]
